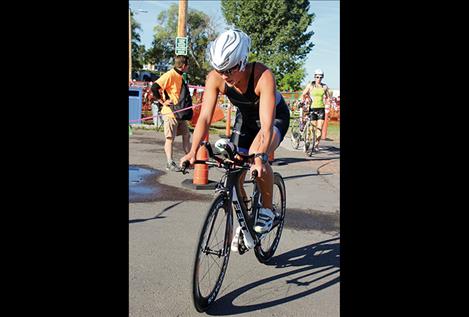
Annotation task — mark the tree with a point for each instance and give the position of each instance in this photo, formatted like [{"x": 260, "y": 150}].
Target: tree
[
  {"x": 200, "y": 31},
  {"x": 278, "y": 32},
  {"x": 137, "y": 49}
]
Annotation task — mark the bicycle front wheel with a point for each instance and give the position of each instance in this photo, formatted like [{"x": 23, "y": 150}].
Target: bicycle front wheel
[
  {"x": 269, "y": 242},
  {"x": 213, "y": 252}
]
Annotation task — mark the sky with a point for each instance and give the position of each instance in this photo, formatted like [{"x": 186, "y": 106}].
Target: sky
[{"x": 326, "y": 27}]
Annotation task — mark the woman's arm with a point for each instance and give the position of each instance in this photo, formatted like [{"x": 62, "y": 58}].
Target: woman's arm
[
  {"x": 266, "y": 84},
  {"x": 206, "y": 112}
]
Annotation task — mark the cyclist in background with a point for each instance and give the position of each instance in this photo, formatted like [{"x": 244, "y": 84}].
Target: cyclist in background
[
  {"x": 318, "y": 92},
  {"x": 262, "y": 118}
]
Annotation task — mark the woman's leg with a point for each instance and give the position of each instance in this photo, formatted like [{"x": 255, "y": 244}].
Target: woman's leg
[
  {"x": 266, "y": 182},
  {"x": 319, "y": 124}
]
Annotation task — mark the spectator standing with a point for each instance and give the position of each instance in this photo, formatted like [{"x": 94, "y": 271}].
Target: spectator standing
[{"x": 166, "y": 91}]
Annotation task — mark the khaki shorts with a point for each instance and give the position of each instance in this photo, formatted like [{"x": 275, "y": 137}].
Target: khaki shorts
[{"x": 174, "y": 127}]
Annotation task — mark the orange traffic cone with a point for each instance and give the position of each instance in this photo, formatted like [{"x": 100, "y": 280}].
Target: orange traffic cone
[
  {"x": 201, "y": 170},
  {"x": 324, "y": 126},
  {"x": 271, "y": 157},
  {"x": 200, "y": 179}
]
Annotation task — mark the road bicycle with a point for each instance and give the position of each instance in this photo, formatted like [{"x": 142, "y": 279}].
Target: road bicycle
[
  {"x": 214, "y": 245},
  {"x": 296, "y": 124},
  {"x": 303, "y": 131},
  {"x": 309, "y": 135}
]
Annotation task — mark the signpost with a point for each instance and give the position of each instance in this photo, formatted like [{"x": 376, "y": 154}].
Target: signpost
[{"x": 181, "y": 45}]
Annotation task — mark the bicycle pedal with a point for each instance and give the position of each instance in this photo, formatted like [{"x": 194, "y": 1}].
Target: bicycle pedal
[{"x": 242, "y": 250}]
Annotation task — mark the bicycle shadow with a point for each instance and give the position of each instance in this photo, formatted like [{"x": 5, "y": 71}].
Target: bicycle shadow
[
  {"x": 158, "y": 216},
  {"x": 306, "y": 175},
  {"x": 292, "y": 160},
  {"x": 317, "y": 261}
]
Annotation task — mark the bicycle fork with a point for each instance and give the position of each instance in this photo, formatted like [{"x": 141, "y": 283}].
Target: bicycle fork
[{"x": 250, "y": 240}]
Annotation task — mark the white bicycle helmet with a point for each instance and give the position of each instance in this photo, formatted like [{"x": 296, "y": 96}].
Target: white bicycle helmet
[
  {"x": 230, "y": 49},
  {"x": 319, "y": 72}
]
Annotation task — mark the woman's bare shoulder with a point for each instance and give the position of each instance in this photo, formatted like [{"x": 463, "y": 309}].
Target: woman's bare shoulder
[
  {"x": 260, "y": 68},
  {"x": 214, "y": 80}
]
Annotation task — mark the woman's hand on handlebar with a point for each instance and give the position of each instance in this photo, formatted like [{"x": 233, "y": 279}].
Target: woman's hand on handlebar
[
  {"x": 188, "y": 157},
  {"x": 258, "y": 166}
]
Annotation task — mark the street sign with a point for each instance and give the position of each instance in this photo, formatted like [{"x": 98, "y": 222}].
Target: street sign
[{"x": 181, "y": 45}]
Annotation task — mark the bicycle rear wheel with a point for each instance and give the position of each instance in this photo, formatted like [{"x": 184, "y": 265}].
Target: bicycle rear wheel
[
  {"x": 295, "y": 134},
  {"x": 213, "y": 252},
  {"x": 268, "y": 244}
]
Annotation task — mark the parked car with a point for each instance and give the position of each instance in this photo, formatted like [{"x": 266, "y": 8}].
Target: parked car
[{"x": 144, "y": 76}]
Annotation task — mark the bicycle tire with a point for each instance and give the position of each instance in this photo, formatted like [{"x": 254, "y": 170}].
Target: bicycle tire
[
  {"x": 312, "y": 147},
  {"x": 306, "y": 137},
  {"x": 220, "y": 207},
  {"x": 295, "y": 134},
  {"x": 265, "y": 250}
]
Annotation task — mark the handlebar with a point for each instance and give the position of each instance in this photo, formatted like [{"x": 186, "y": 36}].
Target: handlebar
[
  {"x": 244, "y": 162},
  {"x": 254, "y": 175}
]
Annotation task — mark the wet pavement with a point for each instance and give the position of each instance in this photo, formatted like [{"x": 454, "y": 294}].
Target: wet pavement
[{"x": 145, "y": 187}]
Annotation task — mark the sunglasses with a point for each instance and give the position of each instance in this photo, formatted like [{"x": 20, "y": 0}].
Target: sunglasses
[
  {"x": 318, "y": 76},
  {"x": 228, "y": 71}
]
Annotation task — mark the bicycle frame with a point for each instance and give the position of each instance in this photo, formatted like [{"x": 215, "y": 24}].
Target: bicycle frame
[
  {"x": 246, "y": 221},
  {"x": 229, "y": 185}
]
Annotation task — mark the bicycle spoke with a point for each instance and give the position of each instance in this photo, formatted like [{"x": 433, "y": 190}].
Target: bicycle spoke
[
  {"x": 208, "y": 271},
  {"x": 217, "y": 229},
  {"x": 217, "y": 244},
  {"x": 220, "y": 224},
  {"x": 214, "y": 260},
  {"x": 265, "y": 250},
  {"x": 211, "y": 254}
]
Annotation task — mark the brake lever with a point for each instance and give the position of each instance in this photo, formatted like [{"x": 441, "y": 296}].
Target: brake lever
[
  {"x": 254, "y": 175},
  {"x": 208, "y": 147},
  {"x": 185, "y": 165}
]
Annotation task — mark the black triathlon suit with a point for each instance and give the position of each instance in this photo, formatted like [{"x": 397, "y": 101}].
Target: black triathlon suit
[{"x": 247, "y": 123}]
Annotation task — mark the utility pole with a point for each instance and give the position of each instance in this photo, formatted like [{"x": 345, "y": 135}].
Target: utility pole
[
  {"x": 182, "y": 40},
  {"x": 182, "y": 18},
  {"x": 130, "y": 48}
]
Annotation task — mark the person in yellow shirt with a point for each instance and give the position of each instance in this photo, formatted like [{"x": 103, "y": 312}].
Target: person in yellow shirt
[
  {"x": 170, "y": 83},
  {"x": 319, "y": 93}
]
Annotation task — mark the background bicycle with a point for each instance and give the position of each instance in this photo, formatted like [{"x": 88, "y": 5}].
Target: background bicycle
[{"x": 302, "y": 130}]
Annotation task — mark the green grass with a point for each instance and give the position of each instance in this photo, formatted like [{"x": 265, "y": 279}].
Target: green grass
[{"x": 333, "y": 130}]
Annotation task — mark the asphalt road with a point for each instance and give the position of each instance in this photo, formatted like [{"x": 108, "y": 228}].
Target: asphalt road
[{"x": 303, "y": 278}]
